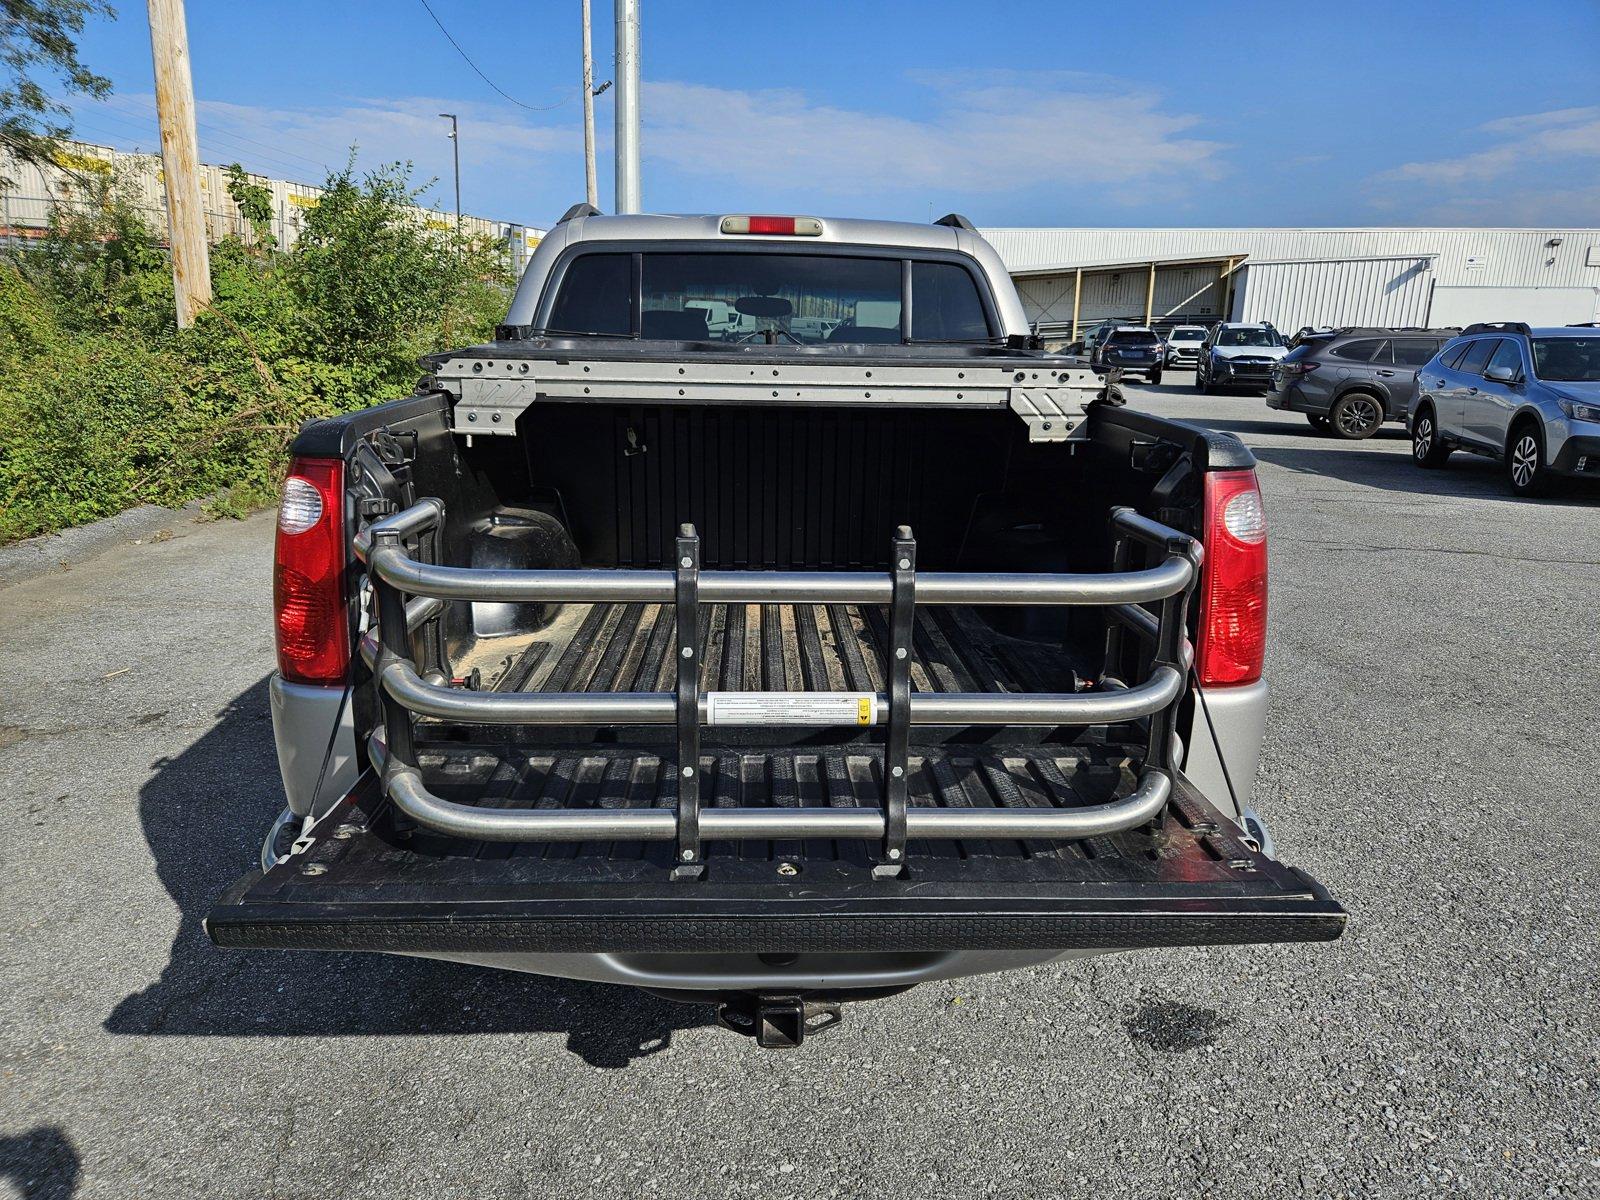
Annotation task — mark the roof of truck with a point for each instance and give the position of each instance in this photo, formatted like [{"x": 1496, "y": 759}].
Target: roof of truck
[
  {"x": 835, "y": 231},
  {"x": 708, "y": 226}
]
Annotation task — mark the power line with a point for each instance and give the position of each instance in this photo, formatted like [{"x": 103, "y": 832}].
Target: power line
[
  {"x": 214, "y": 130},
  {"x": 467, "y": 59}
]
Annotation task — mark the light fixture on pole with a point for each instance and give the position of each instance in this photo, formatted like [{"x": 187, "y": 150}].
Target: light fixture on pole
[{"x": 455, "y": 143}]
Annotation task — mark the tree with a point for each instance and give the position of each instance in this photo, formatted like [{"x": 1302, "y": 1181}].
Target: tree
[{"x": 40, "y": 37}]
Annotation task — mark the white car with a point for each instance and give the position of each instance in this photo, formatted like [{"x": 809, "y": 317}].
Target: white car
[{"x": 1183, "y": 344}]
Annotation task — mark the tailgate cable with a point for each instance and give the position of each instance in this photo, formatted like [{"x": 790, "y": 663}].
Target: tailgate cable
[
  {"x": 308, "y": 826},
  {"x": 1247, "y": 826}
]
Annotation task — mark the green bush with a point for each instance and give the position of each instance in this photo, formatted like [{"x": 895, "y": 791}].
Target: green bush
[{"x": 105, "y": 403}]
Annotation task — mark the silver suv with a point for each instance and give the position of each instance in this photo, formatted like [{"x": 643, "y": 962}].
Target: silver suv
[
  {"x": 1239, "y": 354},
  {"x": 1529, "y": 397}
]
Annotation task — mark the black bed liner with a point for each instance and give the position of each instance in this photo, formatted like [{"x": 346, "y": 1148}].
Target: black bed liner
[
  {"x": 1190, "y": 881},
  {"x": 781, "y": 647}
]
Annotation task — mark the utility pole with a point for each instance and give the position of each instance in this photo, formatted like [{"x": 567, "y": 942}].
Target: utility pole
[
  {"x": 455, "y": 144},
  {"x": 590, "y": 184},
  {"x": 180, "y": 159},
  {"x": 627, "y": 77}
]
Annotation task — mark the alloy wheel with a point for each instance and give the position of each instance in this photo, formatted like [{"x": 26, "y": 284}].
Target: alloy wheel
[
  {"x": 1422, "y": 438},
  {"x": 1524, "y": 460},
  {"x": 1358, "y": 416}
]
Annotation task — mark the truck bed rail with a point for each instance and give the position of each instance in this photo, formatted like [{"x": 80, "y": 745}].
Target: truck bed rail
[{"x": 405, "y": 693}]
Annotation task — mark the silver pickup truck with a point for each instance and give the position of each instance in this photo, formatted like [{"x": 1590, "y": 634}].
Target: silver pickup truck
[{"x": 772, "y": 662}]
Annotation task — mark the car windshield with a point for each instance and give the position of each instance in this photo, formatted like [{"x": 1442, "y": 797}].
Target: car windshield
[
  {"x": 1249, "y": 337},
  {"x": 1567, "y": 359},
  {"x": 1130, "y": 337},
  {"x": 1187, "y": 335}
]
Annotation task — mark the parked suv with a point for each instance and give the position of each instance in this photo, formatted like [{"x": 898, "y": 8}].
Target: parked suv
[
  {"x": 1530, "y": 397},
  {"x": 1183, "y": 344},
  {"x": 1238, "y": 354},
  {"x": 1134, "y": 350},
  {"x": 1353, "y": 381},
  {"x": 1099, "y": 333}
]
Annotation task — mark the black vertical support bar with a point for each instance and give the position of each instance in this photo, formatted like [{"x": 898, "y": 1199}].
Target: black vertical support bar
[
  {"x": 394, "y": 641},
  {"x": 1121, "y": 559},
  {"x": 689, "y": 863},
  {"x": 897, "y": 748},
  {"x": 1169, "y": 653}
]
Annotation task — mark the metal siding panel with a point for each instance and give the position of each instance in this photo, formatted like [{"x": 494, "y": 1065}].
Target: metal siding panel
[
  {"x": 1512, "y": 257},
  {"x": 1371, "y": 292}
]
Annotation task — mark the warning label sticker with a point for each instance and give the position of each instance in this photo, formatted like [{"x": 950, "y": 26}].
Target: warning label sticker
[{"x": 791, "y": 708}]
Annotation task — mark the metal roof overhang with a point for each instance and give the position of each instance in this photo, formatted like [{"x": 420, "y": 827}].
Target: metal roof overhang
[{"x": 1171, "y": 260}]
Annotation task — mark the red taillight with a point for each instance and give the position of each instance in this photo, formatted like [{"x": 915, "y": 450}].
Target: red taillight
[
  {"x": 1233, "y": 582},
  {"x": 308, "y": 595}
]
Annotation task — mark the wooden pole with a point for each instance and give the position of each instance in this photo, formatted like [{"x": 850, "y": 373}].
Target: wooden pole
[
  {"x": 1150, "y": 296},
  {"x": 1077, "y": 301},
  {"x": 590, "y": 183},
  {"x": 180, "y": 159}
]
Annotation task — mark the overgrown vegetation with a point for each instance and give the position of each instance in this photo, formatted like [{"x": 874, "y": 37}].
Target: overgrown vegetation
[{"x": 105, "y": 403}]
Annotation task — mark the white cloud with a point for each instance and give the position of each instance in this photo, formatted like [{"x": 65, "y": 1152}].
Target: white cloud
[
  {"x": 1521, "y": 142},
  {"x": 978, "y": 135}
]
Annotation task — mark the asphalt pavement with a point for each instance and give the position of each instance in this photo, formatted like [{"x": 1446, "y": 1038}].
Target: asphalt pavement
[{"x": 1431, "y": 757}]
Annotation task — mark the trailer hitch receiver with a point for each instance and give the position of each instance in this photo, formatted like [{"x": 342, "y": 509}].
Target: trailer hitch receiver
[{"x": 778, "y": 1022}]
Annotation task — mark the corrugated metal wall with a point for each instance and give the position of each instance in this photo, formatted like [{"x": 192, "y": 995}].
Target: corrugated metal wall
[
  {"x": 1373, "y": 291},
  {"x": 1508, "y": 257}
]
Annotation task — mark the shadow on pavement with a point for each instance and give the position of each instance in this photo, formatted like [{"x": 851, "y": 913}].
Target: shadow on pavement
[
  {"x": 41, "y": 1164},
  {"x": 204, "y": 814},
  {"x": 1282, "y": 428},
  {"x": 1464, "y": 475}
]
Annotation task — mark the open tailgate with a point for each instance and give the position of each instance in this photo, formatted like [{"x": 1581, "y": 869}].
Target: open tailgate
[{"x": 1189, "y": 880}]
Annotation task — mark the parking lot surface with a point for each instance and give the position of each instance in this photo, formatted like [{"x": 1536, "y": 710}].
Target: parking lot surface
[{"x": 1431, "y": 757}]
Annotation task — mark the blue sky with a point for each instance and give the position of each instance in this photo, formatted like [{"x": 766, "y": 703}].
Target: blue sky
[{"x": 1187, "y": 114}]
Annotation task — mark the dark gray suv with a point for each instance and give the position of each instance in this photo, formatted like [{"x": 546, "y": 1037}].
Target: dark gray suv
[{"x": 1353, "y": 380}]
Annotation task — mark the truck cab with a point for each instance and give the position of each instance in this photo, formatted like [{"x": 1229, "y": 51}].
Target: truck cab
[{"x": 773, "y": 666}]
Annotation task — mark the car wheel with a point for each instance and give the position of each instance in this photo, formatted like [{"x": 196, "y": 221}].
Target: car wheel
[
  {"x": 1525, "y": 465},
  {"x": 1427, "y": 447},
  {"x": 1318, "y": 422},
  {"x": 1155, "y": 378},
  {"x": 1202, "y": 381},
  {"x": 1356, "y": 415}
]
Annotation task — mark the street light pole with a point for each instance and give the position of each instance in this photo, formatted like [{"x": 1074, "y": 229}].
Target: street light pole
[
  {"x": 627, "y": 106},
  {"x": 455, "y": 143}
]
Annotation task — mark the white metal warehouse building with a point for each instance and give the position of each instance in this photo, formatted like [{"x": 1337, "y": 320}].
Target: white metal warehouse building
[{"x": 1071, "y": 279}]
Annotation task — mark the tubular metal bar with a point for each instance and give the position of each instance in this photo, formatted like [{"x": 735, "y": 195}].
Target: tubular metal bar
[
  {"x": 419, "y": 611},
  {"x": 422, "y": 516},
  {"x": 776, "y": 587},
  {"x": 403, "y": 685},
  {"x": 406, "y": 789},
  {"x": 394, "y": 644},
  {"x": 688, "y": 864}
]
